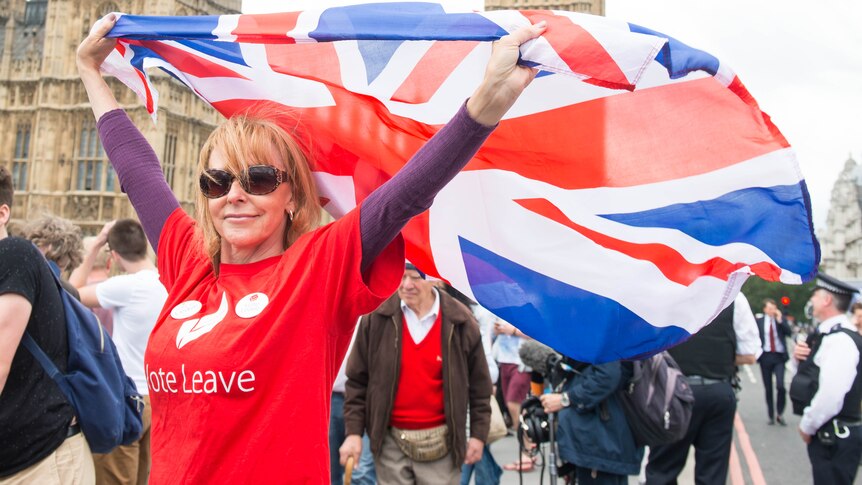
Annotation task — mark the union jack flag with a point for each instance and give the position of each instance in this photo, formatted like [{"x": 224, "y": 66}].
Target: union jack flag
[{"x": 617, "y": 209}]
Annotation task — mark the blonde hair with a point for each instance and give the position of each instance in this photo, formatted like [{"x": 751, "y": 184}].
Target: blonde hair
[
  {"x": 59, "y": 239},
  {"x": 246, "y": 140}
]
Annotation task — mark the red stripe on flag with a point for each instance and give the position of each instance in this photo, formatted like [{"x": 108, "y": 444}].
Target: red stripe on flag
[
  {"x": 310, "y": 61},
  {"x": 188, "y": 62},
  {"x": 266, "y": 28},
  {"x": 671, "y": 263},
  {"x": 636, "y": 138},
  {"x": 737, "y": 87},
  {"x": 149, "y": 94},
  {"x": 416, "y": 236},
  {"x": 432, "y": 70},
  {"x": 580, "y": 50}
]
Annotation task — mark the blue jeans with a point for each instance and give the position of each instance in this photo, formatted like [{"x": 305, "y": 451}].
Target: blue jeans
[
  {"x": 336, "y": 438},
  {"x": 487, "y": 470},
  {"x": 363, "y": 474}
]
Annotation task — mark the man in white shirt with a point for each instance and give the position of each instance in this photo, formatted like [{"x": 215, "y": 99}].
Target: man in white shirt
[
  {"x": 136, "y": 298},
  {"x": 830, "y": 424}
]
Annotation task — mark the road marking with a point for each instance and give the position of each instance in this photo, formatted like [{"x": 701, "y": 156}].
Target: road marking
[
  {"x": 736, "y": 477},
  {"x": 748, "y": 452},
  {"x": 749, "y": 374}
]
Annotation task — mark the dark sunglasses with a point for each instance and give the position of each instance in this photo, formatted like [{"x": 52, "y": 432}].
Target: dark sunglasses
[{"x": 257, "y": 180}]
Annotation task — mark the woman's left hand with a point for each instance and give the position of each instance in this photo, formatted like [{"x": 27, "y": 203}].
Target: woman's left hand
[{"x": 504, "y": 79}]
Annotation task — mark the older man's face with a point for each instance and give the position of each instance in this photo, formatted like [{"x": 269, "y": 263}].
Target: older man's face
[{"x": 414, "y": 291}]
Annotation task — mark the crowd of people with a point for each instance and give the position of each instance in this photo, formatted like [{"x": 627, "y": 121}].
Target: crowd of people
[{"x": 249, "y": 356}]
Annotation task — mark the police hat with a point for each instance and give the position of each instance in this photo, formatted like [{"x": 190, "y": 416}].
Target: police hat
[{"x": 834, "y": 285}]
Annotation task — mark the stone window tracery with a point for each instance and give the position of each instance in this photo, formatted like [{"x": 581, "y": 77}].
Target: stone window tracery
[{"x": 20, "y": 161}]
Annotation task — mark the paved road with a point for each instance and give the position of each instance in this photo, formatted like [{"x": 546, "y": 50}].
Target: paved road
[{"x": 762, "y": 454}]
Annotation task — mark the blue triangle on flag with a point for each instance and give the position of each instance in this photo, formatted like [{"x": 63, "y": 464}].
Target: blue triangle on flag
[{"x": 376, "y": 54}]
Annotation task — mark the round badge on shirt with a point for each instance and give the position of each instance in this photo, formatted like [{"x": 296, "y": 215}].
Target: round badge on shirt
[
  {"x": 251, "y": 305},
  {"x": 186, "y": 309}
]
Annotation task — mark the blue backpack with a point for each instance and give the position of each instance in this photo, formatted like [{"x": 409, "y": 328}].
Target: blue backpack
[{"x": 106, "y": 401}]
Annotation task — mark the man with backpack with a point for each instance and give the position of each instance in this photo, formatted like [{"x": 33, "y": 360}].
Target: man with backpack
[
  {"x": 830, "y": 373},
  {"x": 708, "y": 360},
  {"x": 41, "y": 443}
]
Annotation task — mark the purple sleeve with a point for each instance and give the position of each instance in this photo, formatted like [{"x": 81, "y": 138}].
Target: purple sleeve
[
  {"x": 139, "y": 171},
  {"x": 412, "y": 190}
]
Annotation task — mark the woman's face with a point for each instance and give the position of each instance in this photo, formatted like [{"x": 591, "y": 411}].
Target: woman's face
[{"x": 251, "y": 226}]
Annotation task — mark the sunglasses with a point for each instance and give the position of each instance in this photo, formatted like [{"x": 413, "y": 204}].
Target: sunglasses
[{"x": 256, "y": 180}]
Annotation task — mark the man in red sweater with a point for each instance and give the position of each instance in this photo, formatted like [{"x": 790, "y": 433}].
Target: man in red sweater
[{"x": 415, "y": 372}]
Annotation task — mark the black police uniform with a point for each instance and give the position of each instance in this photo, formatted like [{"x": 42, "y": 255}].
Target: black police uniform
[{"x": 836, "y": 448}]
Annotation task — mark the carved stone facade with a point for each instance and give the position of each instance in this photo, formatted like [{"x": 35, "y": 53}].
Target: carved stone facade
[
  {"x": 595, "y": 7},
  {"x": 842, "y": 243},
  {"x": 48, "y": 138}
]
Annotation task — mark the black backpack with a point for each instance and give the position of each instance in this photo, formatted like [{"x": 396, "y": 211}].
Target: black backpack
[{"x": 657, "y": 401}]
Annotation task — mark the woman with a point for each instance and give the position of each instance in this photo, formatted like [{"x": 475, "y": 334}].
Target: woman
[{"x": 261, "y": 307}]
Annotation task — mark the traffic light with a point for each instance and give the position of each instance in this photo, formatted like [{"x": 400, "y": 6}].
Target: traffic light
[{"x": 785, "y": 301}]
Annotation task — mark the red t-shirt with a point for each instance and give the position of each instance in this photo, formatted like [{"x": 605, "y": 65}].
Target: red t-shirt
[{"x": 240, "y": 366}]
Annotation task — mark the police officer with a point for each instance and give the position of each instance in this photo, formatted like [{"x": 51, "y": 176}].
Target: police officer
[
  {"x": 830, "y": 424},
  {"x": 708, "y": 360}
]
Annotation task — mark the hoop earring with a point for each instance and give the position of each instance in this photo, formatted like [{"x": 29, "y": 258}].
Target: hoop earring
[{"x": 290, "y": 215}]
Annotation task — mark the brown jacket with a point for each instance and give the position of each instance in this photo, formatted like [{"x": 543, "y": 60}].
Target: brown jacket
[{"x": 374, "y": 364}]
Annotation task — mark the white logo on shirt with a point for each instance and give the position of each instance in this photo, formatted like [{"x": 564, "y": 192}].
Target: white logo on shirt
[
  {"x": 251, "y": 305},
  {"x": 192, "y": 329}
]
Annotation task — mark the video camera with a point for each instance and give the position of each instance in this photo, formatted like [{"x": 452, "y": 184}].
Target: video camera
[
  {"x": 554, "y": 368},
  {"x": 555, "y": 371}
]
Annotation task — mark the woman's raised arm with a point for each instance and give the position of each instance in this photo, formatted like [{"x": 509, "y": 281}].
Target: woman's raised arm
[{"x": 134, "y": 160}]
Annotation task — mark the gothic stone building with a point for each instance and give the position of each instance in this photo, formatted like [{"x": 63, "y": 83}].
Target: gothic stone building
[
  {"x": 842, "y": 242},
  {"x": 595, "y": 7},
  {"x": 48, "y": 137}
]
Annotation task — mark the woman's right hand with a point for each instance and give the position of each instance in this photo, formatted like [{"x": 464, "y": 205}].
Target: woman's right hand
[
  {"x": 96, "y": 47},
  {"x": 90, "y": 56}
]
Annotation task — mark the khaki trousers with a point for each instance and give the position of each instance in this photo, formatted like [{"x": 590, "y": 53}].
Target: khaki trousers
[
  {"x": 70, "y": 464},
  {"x": 130, "y": 464},
  {"x": 395, "y": 468}
]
